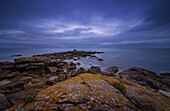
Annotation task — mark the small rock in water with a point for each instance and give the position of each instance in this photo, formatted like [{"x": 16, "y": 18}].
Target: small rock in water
[
  {"x": 78, "y": 63},
  {"x": 100, "y": 59},
  {"x": 16, "y": 55}
]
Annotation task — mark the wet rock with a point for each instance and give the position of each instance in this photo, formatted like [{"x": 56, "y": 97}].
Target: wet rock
[
  {"x": 74, "y": 59},
  {"x": 73, "y": 73},
  {"x": 52, "y": 69},
  {"x": 100, "y": 59},
  {"x": 78, "y": 63},
  {"x": 113, "y": 69},
  {"x": 12, "y": 75},
  {"x": 81, "y": 70},
  {"x": 4, "y": 103},
  {"x": 71, "y": 67},
  {"x": 95, "y": 70},
  {"x": 16, "y": 97},
  {"x": 16, "y": 55},
  {"x": 72, "y": 64}
]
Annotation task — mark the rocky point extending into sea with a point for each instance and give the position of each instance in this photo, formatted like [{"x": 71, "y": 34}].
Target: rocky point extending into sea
[{"x": 26, "y": 84}]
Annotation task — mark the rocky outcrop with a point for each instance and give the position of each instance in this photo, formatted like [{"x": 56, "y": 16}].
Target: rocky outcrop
[
  {"x": 146, "y": 78},
  {"x": 95, "y": 92}
]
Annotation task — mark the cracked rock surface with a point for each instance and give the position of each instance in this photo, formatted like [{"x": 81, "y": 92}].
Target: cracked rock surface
[{"x": 96, "y": 92}]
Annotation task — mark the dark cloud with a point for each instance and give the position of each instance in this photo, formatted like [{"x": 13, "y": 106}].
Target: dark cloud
[{"x": 84, "y": 22}]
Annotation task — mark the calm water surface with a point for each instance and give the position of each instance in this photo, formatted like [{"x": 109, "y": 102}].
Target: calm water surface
[{"x": 156, "y": 59}]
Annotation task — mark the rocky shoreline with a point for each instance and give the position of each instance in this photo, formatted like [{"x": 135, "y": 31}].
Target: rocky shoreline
[{"x": 30, "y": 75}]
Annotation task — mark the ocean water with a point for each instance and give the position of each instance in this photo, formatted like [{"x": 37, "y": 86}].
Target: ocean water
[{"x": 154, "y": 59}]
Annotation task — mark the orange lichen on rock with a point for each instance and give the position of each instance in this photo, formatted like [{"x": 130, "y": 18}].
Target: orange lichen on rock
[
  {"x": 145, "y": 99},
  {"x": 93, "y": 92}
]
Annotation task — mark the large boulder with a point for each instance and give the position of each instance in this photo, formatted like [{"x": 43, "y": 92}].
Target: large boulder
[
  {"x": 72, "y": 64},
  {"x": 138, "y": 71},
  {"x": 73, "y": 73},
  {"x": 71, "y": 67},
  {"x": 146, "y": 78},
  {"x": 93, "y": 92},
  {"x": 81, "y": 70},
  {"x": 95, "y": 70},
  {"x": 4, "y": 103},
  {"x": 113, "y": 69},
  {"x": 62, "y": 77}
]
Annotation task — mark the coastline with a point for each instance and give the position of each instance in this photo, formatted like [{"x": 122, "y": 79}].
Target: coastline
[{"x": 28, "y": 75}]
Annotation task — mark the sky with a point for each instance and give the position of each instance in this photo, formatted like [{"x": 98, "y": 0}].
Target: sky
[{"x": 92, "y": 23}]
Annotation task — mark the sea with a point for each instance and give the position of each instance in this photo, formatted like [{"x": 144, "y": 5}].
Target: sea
[{"x": 154, "y": 59}]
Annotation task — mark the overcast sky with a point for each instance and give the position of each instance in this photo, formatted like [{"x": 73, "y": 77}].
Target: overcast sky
[{"x": 84, "y": 23}]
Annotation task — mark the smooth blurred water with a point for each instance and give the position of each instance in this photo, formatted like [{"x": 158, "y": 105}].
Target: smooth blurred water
[{"x": 155, "y": 59}]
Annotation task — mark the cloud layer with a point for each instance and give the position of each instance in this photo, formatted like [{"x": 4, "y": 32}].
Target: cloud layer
[{"x": 85, "y": 22}]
